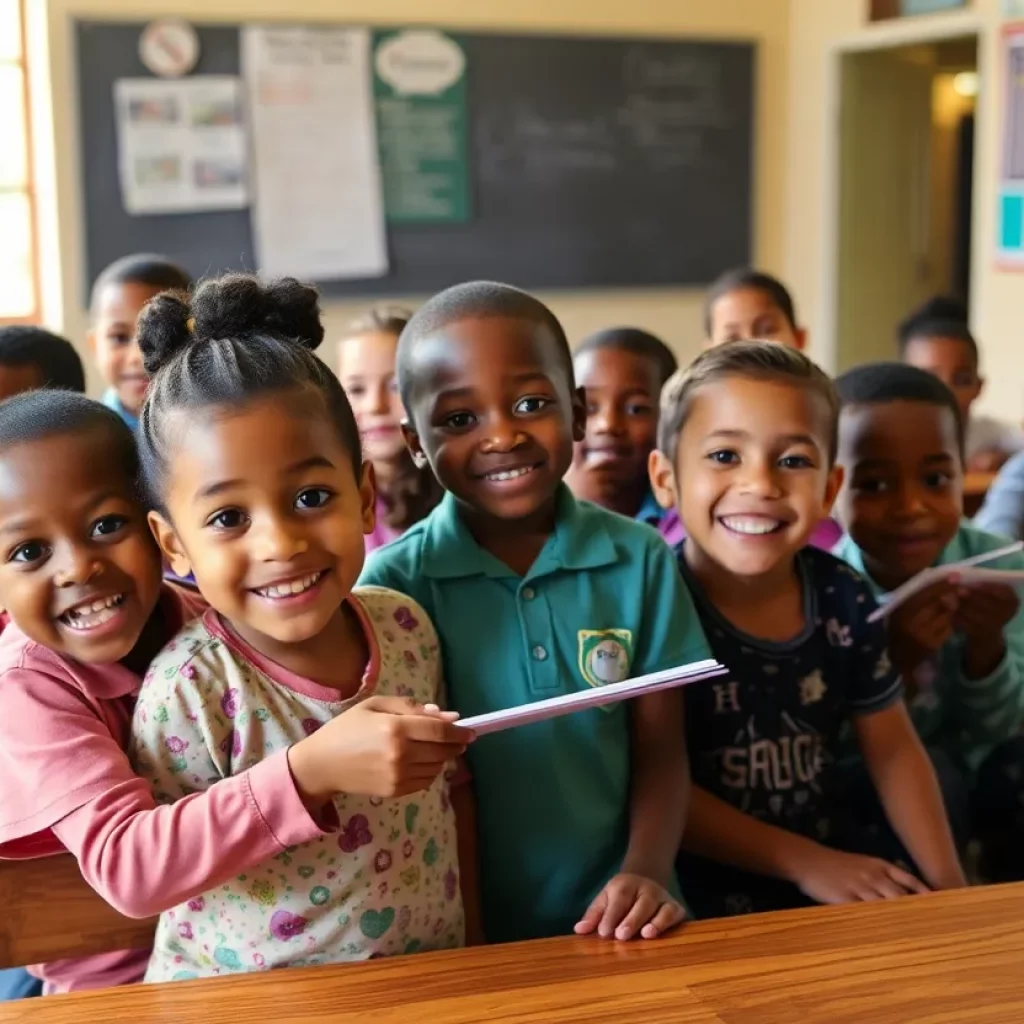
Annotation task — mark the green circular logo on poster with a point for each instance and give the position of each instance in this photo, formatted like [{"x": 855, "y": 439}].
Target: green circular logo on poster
[{"x": 420, "y": 63}]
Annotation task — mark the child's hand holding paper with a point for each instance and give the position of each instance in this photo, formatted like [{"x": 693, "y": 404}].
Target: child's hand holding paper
[{"x": 983, "y": 611}]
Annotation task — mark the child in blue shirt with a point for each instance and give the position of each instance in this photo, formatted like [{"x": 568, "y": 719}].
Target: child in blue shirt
[
  {"x": 535, "y": 594},
  {"x": 622, "y": 371},
  {"x": 960, "y": 649},
  {"x": 747, "y": 448},
  {"x": 118, "y": 296}
]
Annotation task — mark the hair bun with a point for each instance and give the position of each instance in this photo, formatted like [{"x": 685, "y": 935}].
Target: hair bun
[
  {"x": 237, "y": 305},
  {"x": 163, "y": 329}
]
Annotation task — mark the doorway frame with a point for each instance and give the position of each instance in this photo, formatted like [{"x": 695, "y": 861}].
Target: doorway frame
[{"x": 877, "y": 37}]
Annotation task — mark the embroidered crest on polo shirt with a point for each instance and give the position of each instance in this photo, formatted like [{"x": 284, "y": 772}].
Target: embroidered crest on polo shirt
[{"x": 605, "y": 655}]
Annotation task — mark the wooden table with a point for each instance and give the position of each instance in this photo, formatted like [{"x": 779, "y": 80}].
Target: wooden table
[
  {"x": 976, "y": 486},
  {"x": 944, "y": 958}
]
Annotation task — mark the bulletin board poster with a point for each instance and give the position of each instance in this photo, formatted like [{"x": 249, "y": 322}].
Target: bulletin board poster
[
  {"x": 1010, "y": 236},
  {"x": 1012, "y": 8},
  {"x": 419, "y": 80}
]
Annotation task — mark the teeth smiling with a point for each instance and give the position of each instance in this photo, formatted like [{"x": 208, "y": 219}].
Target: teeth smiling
[
  {"x": 292, "y": 587},
  {"x": 510, "y": 474},
  {"x": 754, "y": 526},
  {"x": 92, "y": 614}
]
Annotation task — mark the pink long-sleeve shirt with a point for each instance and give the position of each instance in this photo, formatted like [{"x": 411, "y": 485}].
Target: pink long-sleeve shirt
[{"x": 65, "y": 783}]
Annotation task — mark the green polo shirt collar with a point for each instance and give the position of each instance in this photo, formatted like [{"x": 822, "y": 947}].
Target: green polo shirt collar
[{"x": 579, "y": 542}]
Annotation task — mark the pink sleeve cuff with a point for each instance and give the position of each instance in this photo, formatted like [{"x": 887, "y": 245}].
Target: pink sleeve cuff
[{"x": 277, "y": 802}]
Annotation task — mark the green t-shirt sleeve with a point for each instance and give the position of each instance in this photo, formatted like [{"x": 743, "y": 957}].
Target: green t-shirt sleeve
[{"x": 670, "y": 632}]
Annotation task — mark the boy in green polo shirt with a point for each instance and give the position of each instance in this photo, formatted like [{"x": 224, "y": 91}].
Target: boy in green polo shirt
[{"x": 535, "y": 594}]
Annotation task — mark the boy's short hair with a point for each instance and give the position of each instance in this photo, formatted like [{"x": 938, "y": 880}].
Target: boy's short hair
[
  {"x": 483, "y": 299},
  {"x": 142, "y": 268},
  {"x": 881, "y": 383},
  {"x": 47, "y": 412},
  {"x": 921, "y": 329},
  {"x": 55, "y": 357},
  {"x": 637, "y": 342},
  {"x": 938, "y": 307},
  {"x": 743, "y": 278},
  {"x": 752, "y": 360}
]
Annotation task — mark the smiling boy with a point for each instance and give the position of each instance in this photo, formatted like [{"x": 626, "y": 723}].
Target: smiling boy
[{"x": 535, "y": 594}]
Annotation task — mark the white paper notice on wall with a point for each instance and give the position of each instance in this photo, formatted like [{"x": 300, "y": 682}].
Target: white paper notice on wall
[
  {"x": 1013, "y": 8},
  {"x": 181, "y": 144},
  {"x": 318, "y": 211}
]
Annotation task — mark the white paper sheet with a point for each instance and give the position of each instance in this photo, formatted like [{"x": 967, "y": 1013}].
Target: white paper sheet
[
  {"x": 553, "y": 707},
  {"x": 318, "y": 210},
  {"x": 181, "y": 144},
  {"x": 967, "y": 571}
]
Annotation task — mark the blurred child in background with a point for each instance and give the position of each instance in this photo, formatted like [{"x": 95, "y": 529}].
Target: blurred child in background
[
  {"x": 746, "y": 304},
  {"x": 118, "y": 296},
  {"x": 621, "y": 371},
  {"x": 935, "y": 337},
  {"x": 31, "y": 358},
  {"x": 366, "y": 368}
]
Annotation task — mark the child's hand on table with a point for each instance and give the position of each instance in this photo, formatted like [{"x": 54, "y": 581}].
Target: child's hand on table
[
  {"x": 832, "y": 876},
  {"x": 630, "y": 906}
]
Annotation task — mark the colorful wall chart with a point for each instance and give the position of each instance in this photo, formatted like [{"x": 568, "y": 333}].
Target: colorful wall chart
[{"x": 420, "y": 96}]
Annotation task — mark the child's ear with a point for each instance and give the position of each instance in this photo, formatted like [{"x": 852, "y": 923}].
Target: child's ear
[
  {"x": 832, "y": 488},
  {"x": 579, "y": 414},
  {"x": 802, "y": 337},
  {"x": 90, "y": 340},
  {"x": 412, "y": 442},
  {"x": 368, "y": 496},
  {"x": 170, "y": 547},
  {"x": 663, "y": 479}
]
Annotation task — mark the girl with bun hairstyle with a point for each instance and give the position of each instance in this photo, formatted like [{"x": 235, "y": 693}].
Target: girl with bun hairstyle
[
  {"x": 251, "y": 459},
  {"x": 366, "y": 368}
]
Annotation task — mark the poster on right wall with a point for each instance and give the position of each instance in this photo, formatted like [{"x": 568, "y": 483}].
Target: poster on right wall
[
  {"x": 1010, "y": 231},
  {"x": 1013, "y": 8}
]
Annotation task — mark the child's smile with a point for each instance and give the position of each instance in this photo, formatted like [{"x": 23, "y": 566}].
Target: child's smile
[
  {"x": 275, "y": 542},
  {"x": 753, "y": 473},
  {"x": 495, "y": 414},
  {"x": 902, "y": 499},
  {"x": 79, "y": 573}
]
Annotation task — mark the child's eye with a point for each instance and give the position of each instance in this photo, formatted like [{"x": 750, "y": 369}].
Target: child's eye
[
  {"x": 355, "y": 390},
  {"x": 938, "y": 479},
  {"x": 872, "y": 486},
  {"x": 724, "y": 457},
  {"x": 107, "y": 526},
  {"x": 119, "y": 338},
  {"x": 30, "y": 551},
  {"x": 530, "y": 405},
  {"x": 227, "y": 519},
  {"x": 796, "y": 462},
  {"x": 459, "y": 420},
  {"x": 313, "y": 498},
  {"x": 638, "y": 409}
]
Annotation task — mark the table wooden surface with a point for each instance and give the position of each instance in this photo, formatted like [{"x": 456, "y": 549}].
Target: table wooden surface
[
  {"x": 944, "y": 958},
  {"x": 976, "y": 486}
]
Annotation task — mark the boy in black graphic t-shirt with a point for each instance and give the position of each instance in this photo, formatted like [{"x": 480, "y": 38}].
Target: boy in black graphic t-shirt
[{"x": 746, "y": 452}]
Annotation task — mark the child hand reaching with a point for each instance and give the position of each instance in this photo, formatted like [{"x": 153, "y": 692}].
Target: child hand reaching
[{"x": 383, "y": 747}]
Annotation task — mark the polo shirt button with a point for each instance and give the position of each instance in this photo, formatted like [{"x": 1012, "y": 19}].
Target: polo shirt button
[
  {"x": 528, "y": 593},
  {"x": 539, "y": 653}
]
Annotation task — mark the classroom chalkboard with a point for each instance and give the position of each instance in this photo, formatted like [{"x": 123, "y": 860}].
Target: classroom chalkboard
[{"x": 594, "y": 163}]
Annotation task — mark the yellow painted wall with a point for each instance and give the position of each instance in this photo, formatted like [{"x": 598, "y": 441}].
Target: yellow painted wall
[
  {"x": 672, "y": 313},
  {"x": 819, "y": 29}
]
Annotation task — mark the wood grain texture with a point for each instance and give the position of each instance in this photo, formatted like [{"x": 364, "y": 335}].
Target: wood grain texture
[
  {"x": 937, "y": 959},
  {"x": 48, "y": 912}
]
